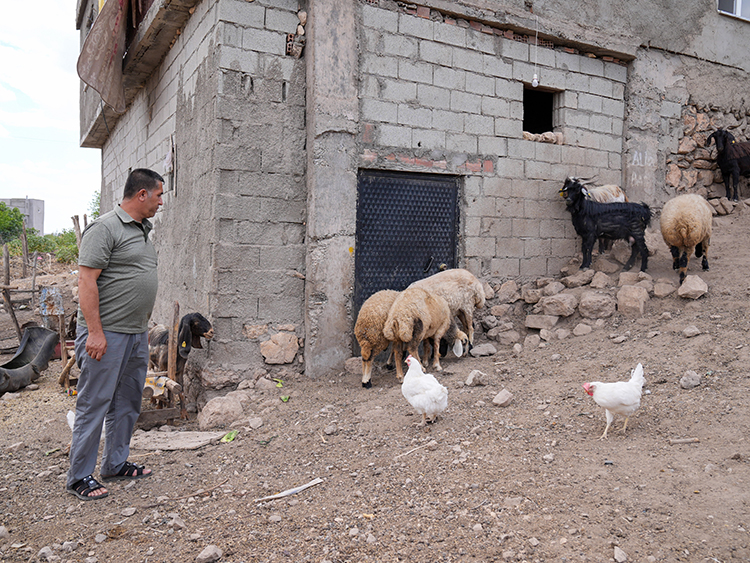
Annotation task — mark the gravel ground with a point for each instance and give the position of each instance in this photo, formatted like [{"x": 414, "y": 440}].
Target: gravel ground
[{"x": 527, "y": 482}]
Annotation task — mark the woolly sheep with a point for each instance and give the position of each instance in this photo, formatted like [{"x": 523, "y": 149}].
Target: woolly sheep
[
  {"x": 417, "y": 315},
  {"x": 686, "y": 226},
  {"x": 608, "y": 193},
  {"x": 463, "y": 292},
  {"x": 369, "y": 329}
]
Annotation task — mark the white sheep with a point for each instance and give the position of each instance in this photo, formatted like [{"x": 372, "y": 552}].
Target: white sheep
[
  {"x": 608, "y": 193},
  {"x": 463, "y": 292},
  {"x": 369, "y": 329},
  {"x": 415, "y": 316},
  {"x": 686, "y": 226}
]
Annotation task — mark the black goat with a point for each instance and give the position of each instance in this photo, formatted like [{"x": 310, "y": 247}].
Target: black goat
[
  {"x": 733, "y": 159},
  {"x": 612, "y": 221},
  {"x": 191, "y": 328}
]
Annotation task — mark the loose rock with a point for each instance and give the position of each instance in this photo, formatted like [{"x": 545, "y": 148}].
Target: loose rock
[
  {"x": 541, "y": 321},
  {"x": 692, "y": 288},
  {"x": 690, "y": 380},
  {"x": 503, "y": 398},
  {"x": 476, "y": 378},
  {"x": 595, "y": 305},
  {"x": 483, "y": 350},
  {"x": 210, "y": 554},
  {"x": 631, "y": 300},
  {"x": 582, "y": 329},
  {"x": 690, "y": 331}
]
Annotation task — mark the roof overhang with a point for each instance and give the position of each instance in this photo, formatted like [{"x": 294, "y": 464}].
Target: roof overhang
[{"x": 153, "y": 39}]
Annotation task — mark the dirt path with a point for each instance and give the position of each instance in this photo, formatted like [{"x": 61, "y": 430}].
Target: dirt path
[{"x": 529, "y": 482}]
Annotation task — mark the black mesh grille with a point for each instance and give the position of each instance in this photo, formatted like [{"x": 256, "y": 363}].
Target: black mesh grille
[{"x": 407, "y": 227}]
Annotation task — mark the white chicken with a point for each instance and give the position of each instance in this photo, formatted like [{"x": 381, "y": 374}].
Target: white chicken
[
  {"x": 622, "y": 398},
  {"x": 428, "y": 397}
]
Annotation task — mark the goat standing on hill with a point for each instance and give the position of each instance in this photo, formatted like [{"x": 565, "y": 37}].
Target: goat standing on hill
[
  {"x": 733, "y": 159},
  {"x": 612, "y": 221},
  {"x": 608, "y": 193}
]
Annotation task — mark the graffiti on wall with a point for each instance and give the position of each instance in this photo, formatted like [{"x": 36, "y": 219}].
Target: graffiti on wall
[{"x": 640, "y": 174}]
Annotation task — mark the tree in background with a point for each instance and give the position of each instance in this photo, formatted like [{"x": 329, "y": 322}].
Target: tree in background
[
  {"x": 95, "y": 205},
  {"x": 11, "y": 223}
]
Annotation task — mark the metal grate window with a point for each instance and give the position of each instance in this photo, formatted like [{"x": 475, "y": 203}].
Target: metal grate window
[{"x": 407, "y": 229}]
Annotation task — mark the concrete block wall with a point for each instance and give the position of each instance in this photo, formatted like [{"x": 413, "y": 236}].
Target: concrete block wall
[
  {"x": 174, "y": 110},
  {"x": 447, "y": 96},
  {"x": 261, "y": 196},
  {"x": 230, "y": 236}
]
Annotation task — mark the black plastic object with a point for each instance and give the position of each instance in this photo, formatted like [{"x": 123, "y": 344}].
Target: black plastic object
[
  {"x": 30, "y": 360},
  {"x": 407, "y": 229}
]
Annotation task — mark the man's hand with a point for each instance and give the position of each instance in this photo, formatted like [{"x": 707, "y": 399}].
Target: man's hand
[{"x": 96, "y": 345}]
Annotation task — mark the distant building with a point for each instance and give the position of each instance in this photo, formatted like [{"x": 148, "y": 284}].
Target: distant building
[{"x": 32, "y": 209}]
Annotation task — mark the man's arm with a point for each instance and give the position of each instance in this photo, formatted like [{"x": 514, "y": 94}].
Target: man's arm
[{"x": 88, "y": 296}]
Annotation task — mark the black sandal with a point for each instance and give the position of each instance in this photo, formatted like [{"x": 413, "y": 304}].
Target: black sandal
[
  {"x": 127, "y": 471},
  {"x": 83, "y": 489}
]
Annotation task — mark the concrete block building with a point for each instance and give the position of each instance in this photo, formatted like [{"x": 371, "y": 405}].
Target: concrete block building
[
  {"x": 32, "y": 209},
  {"x": 317, "y": 151}
]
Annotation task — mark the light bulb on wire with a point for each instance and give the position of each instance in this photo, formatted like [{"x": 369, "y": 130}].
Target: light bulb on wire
[{"x": 535, "y": 81}]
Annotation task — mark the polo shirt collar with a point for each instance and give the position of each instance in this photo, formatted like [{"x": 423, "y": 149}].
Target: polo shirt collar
[{"x": 125, "y": 217}]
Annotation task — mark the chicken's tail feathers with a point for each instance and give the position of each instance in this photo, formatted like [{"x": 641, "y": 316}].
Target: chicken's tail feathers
[{"x": 637, "y": 375}]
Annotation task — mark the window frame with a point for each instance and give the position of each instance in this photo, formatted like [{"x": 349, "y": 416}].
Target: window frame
[{"x": 738, "y": 5}]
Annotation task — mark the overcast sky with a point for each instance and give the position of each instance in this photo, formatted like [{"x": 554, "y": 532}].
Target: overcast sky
[{"x": 40, "y": 156}]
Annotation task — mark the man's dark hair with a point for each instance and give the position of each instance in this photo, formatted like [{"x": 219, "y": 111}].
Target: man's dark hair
[{"x": 141, "y": 179}]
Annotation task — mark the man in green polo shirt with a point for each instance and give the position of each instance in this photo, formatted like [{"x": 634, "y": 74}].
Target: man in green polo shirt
[{"x": 117, "y": 283}]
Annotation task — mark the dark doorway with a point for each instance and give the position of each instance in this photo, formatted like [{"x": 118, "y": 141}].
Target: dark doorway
[{"x": 407, "y": 229}]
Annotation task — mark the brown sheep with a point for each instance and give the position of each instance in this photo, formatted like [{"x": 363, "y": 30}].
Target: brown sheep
[
  {"x": 417, "y": 315},
  {"x": 369, "y": 329}
]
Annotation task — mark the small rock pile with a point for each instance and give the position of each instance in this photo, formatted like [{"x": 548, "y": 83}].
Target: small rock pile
[{"x": 522, "y": 316}]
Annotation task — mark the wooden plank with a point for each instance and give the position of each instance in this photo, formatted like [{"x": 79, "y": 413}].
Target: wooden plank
[
  {"x": 24, "y": 251},
  {"x": 9, "y": 306},
  {"x": 172, "y": 357},
  {"x": 152, "y": 417},
  {"x": 6, "y": 264}
]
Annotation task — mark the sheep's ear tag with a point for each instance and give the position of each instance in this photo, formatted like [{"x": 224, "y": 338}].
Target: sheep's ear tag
[
  {"x": 585, "y": 191},
  {"x": 458, "y": 348},
  {"x": 184, "y": 344}
]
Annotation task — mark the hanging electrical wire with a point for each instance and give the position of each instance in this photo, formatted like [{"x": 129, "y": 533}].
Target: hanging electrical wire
[{"x": 535, "y": 78}]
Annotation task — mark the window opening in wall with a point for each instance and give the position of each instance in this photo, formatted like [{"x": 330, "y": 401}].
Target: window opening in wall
[
  {"x": 538, "y": 110},
  {"x": 739, "y": 8}
]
